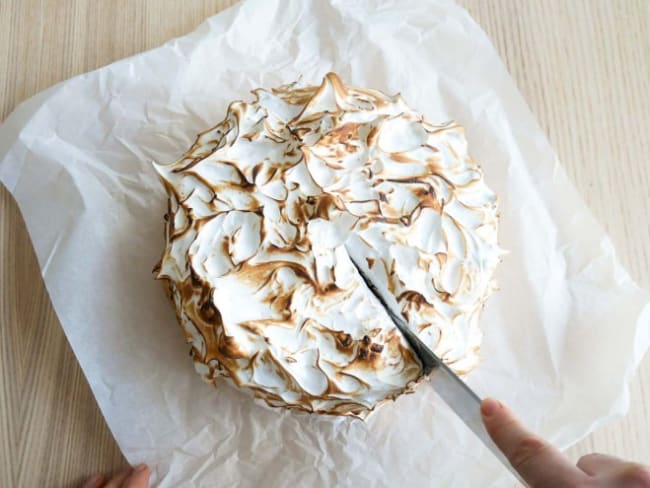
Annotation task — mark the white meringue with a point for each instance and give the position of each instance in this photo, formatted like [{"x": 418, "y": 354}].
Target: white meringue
[{"x": 259, "y": 208}]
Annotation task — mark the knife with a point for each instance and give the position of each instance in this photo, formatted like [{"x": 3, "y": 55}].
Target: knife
[{"x": 455, "y": 393}]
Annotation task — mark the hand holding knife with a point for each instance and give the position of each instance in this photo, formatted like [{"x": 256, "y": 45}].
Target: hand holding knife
[{"x": 456, "y": 394}]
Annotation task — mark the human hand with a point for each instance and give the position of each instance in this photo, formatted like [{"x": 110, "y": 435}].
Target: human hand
[
  {"x": 542, "y": 466},
  {"x": 128, "y": 477}
]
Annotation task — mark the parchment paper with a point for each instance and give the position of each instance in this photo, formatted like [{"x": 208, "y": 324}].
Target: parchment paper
[{"x": 562, "y": 336}]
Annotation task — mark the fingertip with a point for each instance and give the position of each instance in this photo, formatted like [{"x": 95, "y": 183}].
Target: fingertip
[
  {"x": 597, "y": 463},
  {"x": 635, "y": 474},
  {"x": 490, "y": 406},
  {"x": 139, "y": 478},
  {"x": 95, "y": 481},
  {"x": 537, "y": 461},
  {"x": 119, "y": 478}
]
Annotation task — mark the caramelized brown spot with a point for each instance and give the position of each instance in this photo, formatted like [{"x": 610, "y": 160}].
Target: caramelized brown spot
[
  {"x": 401, "y": 157},
  {"x": 414, "y": 299},
  {"x": 227, "y": 346},
  {"x": 225, "y": 246},
  {"x": 372, "y": 136},
  {"x": 196, "y": 279},
  {"x": 324, "y": 205},
  {"x": 366, "y": 339},
  {"x": 210, "y": 313},
  {"x": 260, "y": 274},
  {"x": 337, "y": 84},
  {"x": 376, "y": 347},
  {"x": 344, "y": 339},
  {"x": 251, "y": 327},
  {"x": 301, "y": 212},
  {"x": 339, "y": 134}
]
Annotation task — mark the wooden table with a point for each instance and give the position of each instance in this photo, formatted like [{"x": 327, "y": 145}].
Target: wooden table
[{"x": 583, "y": 66}]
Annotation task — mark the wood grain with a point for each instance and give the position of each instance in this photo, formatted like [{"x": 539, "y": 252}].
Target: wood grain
[{"x": 582, "y": 65}]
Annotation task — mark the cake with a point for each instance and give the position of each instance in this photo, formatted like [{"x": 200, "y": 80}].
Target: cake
[{"x": 259, "y": 209}]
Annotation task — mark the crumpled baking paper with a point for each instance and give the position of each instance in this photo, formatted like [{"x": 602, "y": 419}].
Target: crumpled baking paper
[{"x": 563, "y": 336}]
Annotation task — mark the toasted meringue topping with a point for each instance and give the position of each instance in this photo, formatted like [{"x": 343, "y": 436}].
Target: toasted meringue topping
[{"x": 259, "y": 208}]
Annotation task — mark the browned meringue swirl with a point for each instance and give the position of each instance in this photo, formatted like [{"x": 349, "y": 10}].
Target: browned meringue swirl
[{"x": 259, "y": 208}]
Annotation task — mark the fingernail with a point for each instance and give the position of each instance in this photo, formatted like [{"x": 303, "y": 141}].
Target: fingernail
[
  {"x": 94, "y": 481},
  {"x": 490, "y": 406},
  {"x": 141, "y": 468}
]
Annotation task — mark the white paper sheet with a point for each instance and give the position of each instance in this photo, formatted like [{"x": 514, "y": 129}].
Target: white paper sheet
[{"x": 562, "y": 336}]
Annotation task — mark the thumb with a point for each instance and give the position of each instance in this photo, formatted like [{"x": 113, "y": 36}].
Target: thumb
[{"x": 537, "y": 461}]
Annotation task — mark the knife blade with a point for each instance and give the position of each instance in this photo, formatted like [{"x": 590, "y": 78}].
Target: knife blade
[{"x": 464, "y": 402}]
